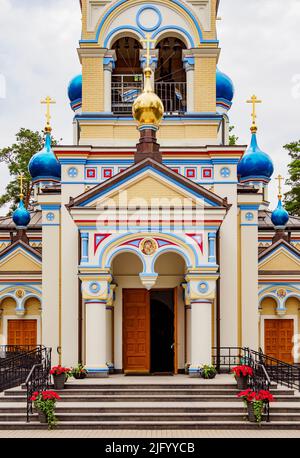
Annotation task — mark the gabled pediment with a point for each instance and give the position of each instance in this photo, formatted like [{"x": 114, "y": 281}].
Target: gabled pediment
[
  {"x": 280, "y": 257},
  {"x": 20, "y": 257},
  {"x": 148, "y": 180}
]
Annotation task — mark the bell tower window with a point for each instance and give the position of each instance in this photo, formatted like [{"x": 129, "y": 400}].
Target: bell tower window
[
  {"x": 170, "y": 75},
  {"x": 127, "y": 76}
]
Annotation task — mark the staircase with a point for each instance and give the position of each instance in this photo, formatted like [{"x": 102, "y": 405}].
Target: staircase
[{"x": 151, "y": 403}]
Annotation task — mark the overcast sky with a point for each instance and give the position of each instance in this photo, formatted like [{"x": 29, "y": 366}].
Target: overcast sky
[{"x": 260, "y": 51}]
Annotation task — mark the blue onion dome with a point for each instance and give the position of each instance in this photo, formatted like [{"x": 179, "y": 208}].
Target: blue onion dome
[
  {"x": 21, "y": 216},
  {"x": 255, "y": 165},
  {"x": 225, "y": 91},
  {"x": 75, "y": 92},
  {"x": 44, "y": 166},
  {"x": 280, "y": 216}
]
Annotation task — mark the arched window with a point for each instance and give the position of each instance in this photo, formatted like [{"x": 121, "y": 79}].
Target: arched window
[
  {"x": 170, "y": 75},
  {"x": 127, "y": 76}
]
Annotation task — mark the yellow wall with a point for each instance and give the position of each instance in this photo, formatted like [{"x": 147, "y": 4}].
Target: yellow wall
[
  {"x": 92, "y": 84},
  {"x": 205, "y": 84},
  {"x": 269, "y": 306}
]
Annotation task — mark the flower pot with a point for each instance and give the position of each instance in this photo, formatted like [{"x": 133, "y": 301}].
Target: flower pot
[
  {"x": 59, "y": 381},
  {"x": 251, "y": 415},
  {"x": 42, "y": 417},
  {"x": 242, "y": 383},
  {"x": 80, "y": 376}
]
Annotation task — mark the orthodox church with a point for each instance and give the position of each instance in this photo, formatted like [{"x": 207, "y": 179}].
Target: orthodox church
[{"x": 151, "y": 244}]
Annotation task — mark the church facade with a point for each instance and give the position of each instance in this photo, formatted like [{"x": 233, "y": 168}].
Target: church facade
[{"x": 151, "y": 242}]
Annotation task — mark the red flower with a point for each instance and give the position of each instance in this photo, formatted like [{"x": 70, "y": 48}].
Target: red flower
[
  {"x": 243, "y": 371},
  {"x": 249, "y": 395},
  {"x": 58, "y": 370},
  {"x": 45, "y": 396}
]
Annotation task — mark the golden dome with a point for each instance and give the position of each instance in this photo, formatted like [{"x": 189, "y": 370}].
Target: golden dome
[{"x": 148, "y": 107}]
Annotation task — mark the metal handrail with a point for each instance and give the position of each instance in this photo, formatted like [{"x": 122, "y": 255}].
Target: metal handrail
[
  {"x": 14, "y": 370},
  {"x": 38, "y": 379}
]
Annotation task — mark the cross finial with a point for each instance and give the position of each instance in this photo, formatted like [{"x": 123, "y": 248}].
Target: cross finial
[
  {"x": 148, "y": 42},
  {"x": 21, "y": 180},
  {"x": 254, "y": 100},
  {"x": 280, "y": 180},
  {"x": 48, "y": 101}
]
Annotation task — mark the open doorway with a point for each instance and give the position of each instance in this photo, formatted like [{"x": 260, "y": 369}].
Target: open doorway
[{"x": 162, "y": 319}]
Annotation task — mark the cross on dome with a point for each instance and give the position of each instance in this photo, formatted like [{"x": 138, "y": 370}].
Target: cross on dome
[
  {"x": 254, "y": 100},
  {"x": 148, "y": 42},
  {"x": 48, "y": 101}
]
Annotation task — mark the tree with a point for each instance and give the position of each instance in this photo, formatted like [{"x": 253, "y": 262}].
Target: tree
[
  {"x": 233, "y": 139},
  {"x": 17, "y": 157},
  {"x": 292, "y": 197}
]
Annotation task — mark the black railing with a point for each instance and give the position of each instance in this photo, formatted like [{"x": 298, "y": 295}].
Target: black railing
[
  {"x": 38, "y": 378},
  {"x": 15, "y": 369},
  {"x": 225, "y": 358},
  {"x": 279, "y": 371},
  {"x": 260, "y": 380},
  {"x": 9, "y": 351},
  {"x": 173, "y": 96},
  {"x": 126, "y": 88}
]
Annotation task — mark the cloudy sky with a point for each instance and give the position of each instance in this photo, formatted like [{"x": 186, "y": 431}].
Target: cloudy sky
[{"x": 259, "y": 41}]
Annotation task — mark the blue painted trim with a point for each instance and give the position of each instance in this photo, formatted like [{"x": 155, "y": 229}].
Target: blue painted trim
[
  {"x": 188, "y": 60},
  {"x": 190, "y": 191},
  {"x": 145, "y": 8},
  {"x": 284, "y": 247},
  {"x": 225, "y": 161},
  {"x": 249, "y": 224},
  {"x": 122, "y": 27},
  {"x": 50, "y": 207},
  {"x": 22, "y": 248},
  {"x": 177, "y": 2},
  {"x": 175, "y": 27},
  {"x": 248, "y": 207},
  {"x": 205, "y": 289},
  {"x": 97, "y": 371}
]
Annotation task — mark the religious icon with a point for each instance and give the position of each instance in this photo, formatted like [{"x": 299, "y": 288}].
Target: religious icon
[
  {"x": 281, "y": 293},
  {"x": 148, "y": 247}
]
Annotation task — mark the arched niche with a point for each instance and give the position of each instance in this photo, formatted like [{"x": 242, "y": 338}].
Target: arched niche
[
  {"x": 127, "y": 75},
  {"x": 126, "y": 264}
]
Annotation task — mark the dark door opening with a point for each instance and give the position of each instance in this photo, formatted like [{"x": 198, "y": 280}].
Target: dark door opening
[{"x": 162, "y": 331}]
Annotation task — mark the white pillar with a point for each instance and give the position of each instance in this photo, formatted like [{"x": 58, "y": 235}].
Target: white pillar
[
  {"x": 109, "y": 63},
  {"x": 201, "y": 335},
  {"x": 190, "y": 75},
  {"x": 109, "y": 334},
  {"x": 188, "y": 313},
  {"x": 249, "y": 277},
  {"x": 96, "y": 338}
]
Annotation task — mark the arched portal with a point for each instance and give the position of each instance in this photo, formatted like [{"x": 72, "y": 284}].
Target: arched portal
[
  {"x": 170, "y": 75},
  {"x": 127, "y": 76},
  {"x": 149, "y": 325}
]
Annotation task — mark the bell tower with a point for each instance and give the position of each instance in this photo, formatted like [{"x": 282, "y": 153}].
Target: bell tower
[{"x": 184, "y": 54}]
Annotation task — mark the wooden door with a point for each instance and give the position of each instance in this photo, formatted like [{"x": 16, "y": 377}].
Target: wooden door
[
  {"x": 136, "y": 331},
  {"x": 278, "y": 339},
  {"x": 22, "y": 332}
]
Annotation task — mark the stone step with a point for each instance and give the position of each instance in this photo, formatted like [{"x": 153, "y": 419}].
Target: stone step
[
  {"x": 142, "y": 399},
  {"x": 152, "y": 392},
  {"x": 144, "y": 386}
]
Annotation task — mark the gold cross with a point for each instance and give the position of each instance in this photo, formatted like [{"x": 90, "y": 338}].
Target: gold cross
[
  {"x": 148, "y": 42},
  {"x": 280, "y": 179},
  {"x": 48, "y": 101},
  {"x": 21, "y": 179},
  {"x": 254, "y": 100}
]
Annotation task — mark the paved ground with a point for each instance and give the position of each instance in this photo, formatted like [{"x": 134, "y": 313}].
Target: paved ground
[{"x": 149, "y": 434}]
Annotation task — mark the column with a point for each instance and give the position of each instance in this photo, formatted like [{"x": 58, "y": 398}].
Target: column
[
  {"x": 96, "y": 335},
  {"x": 189, "y": 65},
  {"x": 84, "y": 247},
  {"x": 201, "y": 335},
  {"x": 108, "y": 66},
  {"x": 188, "y": 313},
  {"x": 249, "y": 277},
  {"x": 109, "y": 336},
  {"x": 212, "y": 247}
]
